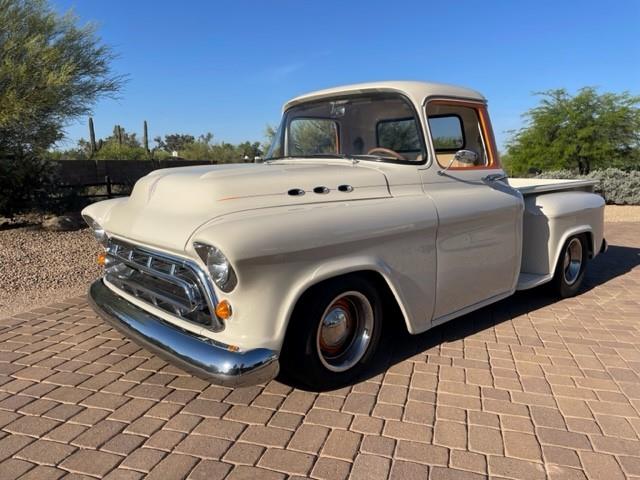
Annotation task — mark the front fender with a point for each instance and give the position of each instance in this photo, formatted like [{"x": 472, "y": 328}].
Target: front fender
[
  {"x": 343, "y": 266},
  {"x": 279, "y": 253},
  {"x": 100, "y": 211}
]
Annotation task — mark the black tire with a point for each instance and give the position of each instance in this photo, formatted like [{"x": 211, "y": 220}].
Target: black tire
[
  {"x": 301, "y": 357},
  {"x": 567, "y": 282}
]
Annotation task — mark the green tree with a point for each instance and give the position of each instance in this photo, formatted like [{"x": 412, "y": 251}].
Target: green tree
[
  {"x": 250, "y": 150},
  {"x": 581, "y": 132},
  {"x": 176, "y": 142},
  {"x": 270, "y": 133},
  {"x": 200, "y": 149},
  {"x": 122, "y": 137},
  {"x": 120, "y": 145},
  {"x": 51, "y": 71}
]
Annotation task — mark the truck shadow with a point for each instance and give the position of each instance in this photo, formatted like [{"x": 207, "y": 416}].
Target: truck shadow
[
  {"x": 399, "y": 345},
  {"x": 617, "y": 261}
]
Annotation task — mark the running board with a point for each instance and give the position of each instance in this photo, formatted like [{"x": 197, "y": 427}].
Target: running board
[{"x": 530, "y": 280}]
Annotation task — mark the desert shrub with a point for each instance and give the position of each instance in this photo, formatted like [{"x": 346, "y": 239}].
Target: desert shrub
[
  {"x": 161, "y": 155},
  {"x": 563, "y": 174},
  {"x": 26, "y": 184},
  {"x": 616, "y": 186},
  {"x": 114, "y": 151},
  {"x": 31, "y": 185}
]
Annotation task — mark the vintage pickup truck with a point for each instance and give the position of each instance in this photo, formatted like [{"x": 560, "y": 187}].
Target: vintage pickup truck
[{"x": 379, "y": 205}]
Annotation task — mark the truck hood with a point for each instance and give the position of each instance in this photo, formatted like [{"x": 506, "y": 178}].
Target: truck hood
[{"x": 167, "y": 206}]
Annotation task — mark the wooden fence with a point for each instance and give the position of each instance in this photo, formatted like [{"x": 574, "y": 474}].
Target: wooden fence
[{"x": 106, "y": 174}]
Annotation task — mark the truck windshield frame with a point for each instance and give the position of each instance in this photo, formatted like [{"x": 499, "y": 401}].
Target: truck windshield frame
[{"x": 355, "y": 137}]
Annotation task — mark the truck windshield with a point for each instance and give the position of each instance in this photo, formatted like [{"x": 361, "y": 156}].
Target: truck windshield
[{"x": 380, "y": 127}]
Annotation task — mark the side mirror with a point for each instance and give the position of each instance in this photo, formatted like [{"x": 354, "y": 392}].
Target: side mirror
[{"x": 466, "y": 156}]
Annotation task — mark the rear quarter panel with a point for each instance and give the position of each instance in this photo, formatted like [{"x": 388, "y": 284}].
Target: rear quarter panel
[{"x": 551, "y": 218}]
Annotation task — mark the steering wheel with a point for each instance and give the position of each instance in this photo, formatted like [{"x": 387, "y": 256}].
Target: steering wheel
[{"x": 386, "y": 151}]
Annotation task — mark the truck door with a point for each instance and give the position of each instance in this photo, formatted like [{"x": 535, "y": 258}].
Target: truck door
[{"x": 479, "y": 237}]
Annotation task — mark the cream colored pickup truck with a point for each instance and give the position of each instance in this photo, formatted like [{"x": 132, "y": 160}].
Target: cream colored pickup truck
[{"x": 379, "y": 206}]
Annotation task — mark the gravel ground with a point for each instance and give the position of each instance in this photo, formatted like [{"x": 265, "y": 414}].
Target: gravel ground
[
  {"x": 622, "y": 213},
  {"x": 38, "y": 268}
]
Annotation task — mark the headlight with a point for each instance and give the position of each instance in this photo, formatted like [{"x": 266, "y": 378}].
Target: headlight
[
  {"x": 219, "y": 267},
  {"x": 98, "y": 232}
]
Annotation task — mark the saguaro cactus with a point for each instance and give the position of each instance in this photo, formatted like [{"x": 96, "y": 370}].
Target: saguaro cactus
[
  {"x": 92, "y": 137},
  {"x": 145, "y": 138},
  {"x": 119, "y": 129}
]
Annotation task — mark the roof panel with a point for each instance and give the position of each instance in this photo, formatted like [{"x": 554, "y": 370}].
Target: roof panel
[{"x": 416, "y": 91}]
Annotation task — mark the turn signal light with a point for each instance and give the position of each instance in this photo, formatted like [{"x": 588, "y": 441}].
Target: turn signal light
[
  {"x": 102, "y": 259},
  {"x": 223, "y": 310}
]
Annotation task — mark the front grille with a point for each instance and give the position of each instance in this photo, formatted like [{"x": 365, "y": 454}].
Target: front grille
[{"x": 174, "y": 285}]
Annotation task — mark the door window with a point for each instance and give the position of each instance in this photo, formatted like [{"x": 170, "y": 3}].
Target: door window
[
  {"x": 461, "y": 128},
  {"x": 446, "y": 133}
]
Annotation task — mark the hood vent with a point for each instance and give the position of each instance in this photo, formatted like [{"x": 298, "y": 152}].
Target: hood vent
[{"x": 320, "y": 190}]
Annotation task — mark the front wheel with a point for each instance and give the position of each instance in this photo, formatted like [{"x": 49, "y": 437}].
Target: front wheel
[
  {"x": 334, "y": 333},
  {"x": 571, "y": 266}
]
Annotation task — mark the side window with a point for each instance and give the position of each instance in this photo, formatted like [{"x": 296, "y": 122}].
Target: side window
[
  {"x": 447, "y": 133},
  {"x": 399, "y": 135},
  {"x": 459, "y": 133},
  {"x": 312, "y": 136}
]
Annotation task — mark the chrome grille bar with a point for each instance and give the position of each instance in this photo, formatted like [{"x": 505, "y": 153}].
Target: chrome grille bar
[
  {"x": 144, "y": 261},
  {"x": 175, "y": 285},
  {"x": 156, "y": 297}
]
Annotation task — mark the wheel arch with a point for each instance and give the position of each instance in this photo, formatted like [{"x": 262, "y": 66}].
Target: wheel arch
[
  {"x": 391, "y": 298},
  {"x": 578, "y": 230}
]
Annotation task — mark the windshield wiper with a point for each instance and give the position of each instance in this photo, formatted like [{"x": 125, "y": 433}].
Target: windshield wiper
[
  {"x": 375, "y": 158},
  {"x": 352, "y": 157},
  {"x": 327, "y": 155},
  {"x": 312, "y": 155}
]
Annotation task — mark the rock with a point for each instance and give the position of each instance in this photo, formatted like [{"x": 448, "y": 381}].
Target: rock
[{"x": 62, "y": 223}]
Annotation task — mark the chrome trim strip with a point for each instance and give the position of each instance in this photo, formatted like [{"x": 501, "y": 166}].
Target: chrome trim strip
[{"x": 198, "y": 355}]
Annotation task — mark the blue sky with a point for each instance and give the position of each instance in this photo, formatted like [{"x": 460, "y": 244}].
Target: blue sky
[{"x": 227, "y": 67}]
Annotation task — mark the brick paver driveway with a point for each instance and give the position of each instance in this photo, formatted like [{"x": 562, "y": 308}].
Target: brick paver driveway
[{"x": 528, "y": 388}]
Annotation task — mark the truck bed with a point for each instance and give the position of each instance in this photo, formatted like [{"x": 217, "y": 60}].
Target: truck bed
[
  {"x": 554, "y": 208},
  {"x": 530, "y": 186}
]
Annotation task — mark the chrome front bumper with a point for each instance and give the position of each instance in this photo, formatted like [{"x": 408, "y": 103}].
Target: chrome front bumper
[{"x": 196, "y": 354}]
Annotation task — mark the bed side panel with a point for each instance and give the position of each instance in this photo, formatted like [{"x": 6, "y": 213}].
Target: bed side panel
[{"x": 549, "y": 219}]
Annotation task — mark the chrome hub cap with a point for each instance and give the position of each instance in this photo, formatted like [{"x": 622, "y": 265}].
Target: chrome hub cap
[
  {"x": 572, "y": 261},
  {"x": 335, "y": 328},
  {"x": 344, "y": 331}
]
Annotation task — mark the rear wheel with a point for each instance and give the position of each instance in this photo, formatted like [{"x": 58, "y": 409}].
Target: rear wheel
[
  {"x": 334, "y": 333},
  {"x": 571, "y": 265}
]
